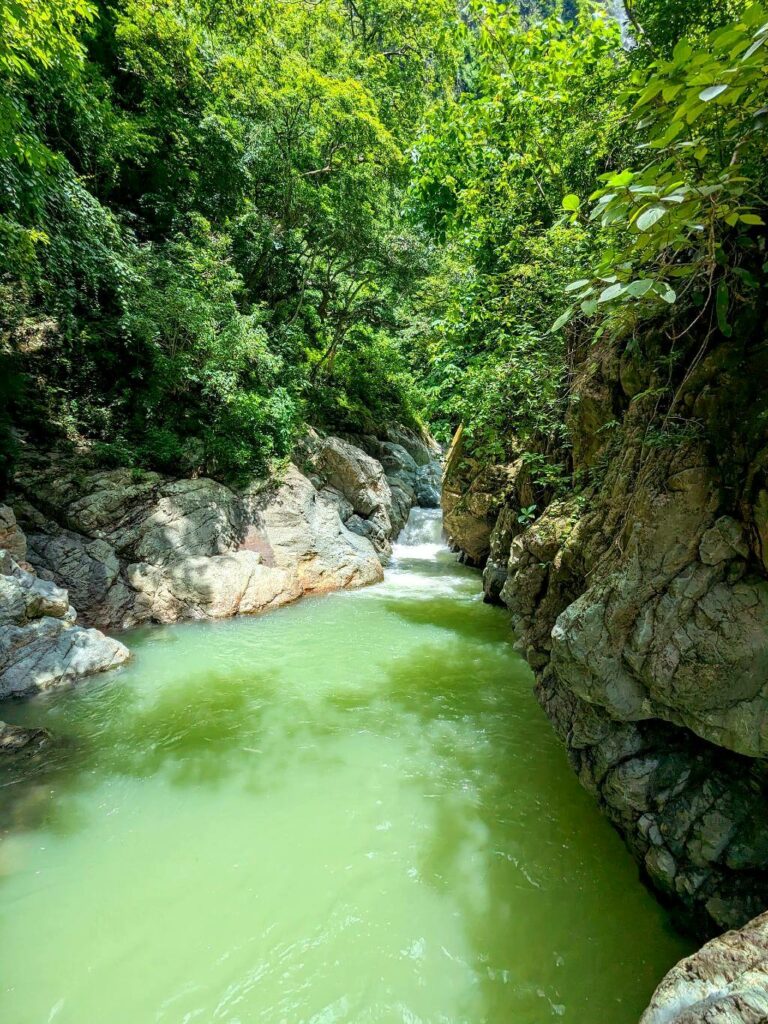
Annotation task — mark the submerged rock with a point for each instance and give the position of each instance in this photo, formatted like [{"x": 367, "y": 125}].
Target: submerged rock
[
  {"x": 16, "y": 739},
  {"x": 725, "y": 982}
]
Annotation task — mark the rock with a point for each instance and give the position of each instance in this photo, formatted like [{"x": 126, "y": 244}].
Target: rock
[
  {"x": 402, "y": 474},
  {"x": 428, "y": 485},
  {"x": 495, "y": 572},
  {"x": 643, "y": 645},
  {"x": 294, "y": 529},
  {"x": 362, "y": 481},
  {"x": 411, "y": 481},
  {"x": 140, "y": 547},
  {"x": 421, "y": 448},
  {"x": 133, "y": 547},
  {"x": 210, "y": 588},
  {"x": 722, "y": 541},
  {"x": 725, "y": 982},
  {"x": 12, "y": 539},
  {"x": 472, "y": 499},
  {"x": 40, "y": 645},
  {"x": 15, "y": 739}
]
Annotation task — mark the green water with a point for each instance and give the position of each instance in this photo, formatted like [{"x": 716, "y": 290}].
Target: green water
[{"x": 350, "y": 810}]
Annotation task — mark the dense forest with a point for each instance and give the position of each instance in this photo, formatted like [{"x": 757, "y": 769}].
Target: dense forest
[{"x": 221, "y": 221}]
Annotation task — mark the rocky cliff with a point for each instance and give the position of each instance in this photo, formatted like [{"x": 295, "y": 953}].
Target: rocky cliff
[
  {"x": 640, "y": 599},
  {"x": 128, "y": 547}
]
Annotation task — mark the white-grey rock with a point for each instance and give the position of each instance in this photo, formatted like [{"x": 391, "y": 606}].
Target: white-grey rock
[
  {"x": 40, "y": 645},
  {"x": 12, "y": 539},
  {"x": 725, "y": 982},
  {"x": 132, "y": 547}
]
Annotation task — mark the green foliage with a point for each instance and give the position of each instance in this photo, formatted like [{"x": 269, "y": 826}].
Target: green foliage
[
  {"x": 200, "y": 223},
  {"x": 220, "y": 221},
  {"x": 659, "y": 24},
  {"x": 684, "y": 226},
  {"x": 536, "y": 122}
]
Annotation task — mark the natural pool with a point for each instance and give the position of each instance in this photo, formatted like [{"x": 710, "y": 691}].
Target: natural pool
[{"x": 350, "y": 810}]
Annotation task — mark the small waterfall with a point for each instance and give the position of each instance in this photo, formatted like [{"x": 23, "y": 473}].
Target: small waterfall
[{"x": 422, "y": 536}]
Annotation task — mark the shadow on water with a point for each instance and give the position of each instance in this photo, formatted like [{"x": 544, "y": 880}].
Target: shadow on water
[
  {"x": 469, "y": 619},
  {"x": 194, "y": 738}
]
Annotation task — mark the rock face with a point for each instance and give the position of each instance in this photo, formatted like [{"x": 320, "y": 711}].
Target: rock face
[
  {"x": 40, "y": 645},
  {"x": 132, "y": 547},
  {"x": 474, "y": 497},
  {"x": 411, "y": 467},
  {"x": 726, "y": 982},
  {"x": 642, "y": 605}
]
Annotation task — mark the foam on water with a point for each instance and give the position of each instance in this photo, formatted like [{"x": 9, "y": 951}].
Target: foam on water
[{"x": 421, "y": 539}]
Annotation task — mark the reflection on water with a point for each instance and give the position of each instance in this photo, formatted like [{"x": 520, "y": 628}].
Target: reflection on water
[{"x": 350, "y": 810}]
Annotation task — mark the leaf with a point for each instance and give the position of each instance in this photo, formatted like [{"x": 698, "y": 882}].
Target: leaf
[
  {"x": 637, "y": 289},
  {"x": 574, "y": 286},
  {"x": 612, "y": 292},
  {"x": 722, "y": 300},
  {"x": 562, "y": 320},
  {"x": 571, "y": 202},
  {"x": 712, "y": 92},
  {"x": 682, "y": 51},
  {"x": 725, "y": 37},
  {"x": 665, "y": 292},
  {"x": 589, "y": 307},
  {"x": 621, "y": 179},
  {"x": 668, "y": 136},
  {"x": 650, "y": 93},
  {"x": 751, "y": 218},
  {"x": 649, "y": 217},
  {"x": 754, "y": 47}
]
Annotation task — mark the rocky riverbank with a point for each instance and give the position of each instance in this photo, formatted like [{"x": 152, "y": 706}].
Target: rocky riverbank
[{"x": 126, "y": 547}]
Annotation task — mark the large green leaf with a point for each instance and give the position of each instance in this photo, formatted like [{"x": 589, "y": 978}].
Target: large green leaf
[{"x": 649, "y": 217}]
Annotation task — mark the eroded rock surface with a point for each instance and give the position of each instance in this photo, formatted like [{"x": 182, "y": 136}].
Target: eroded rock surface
[
  {"x": 474, "y": 496},
  {"x": 725, "y": 982}
]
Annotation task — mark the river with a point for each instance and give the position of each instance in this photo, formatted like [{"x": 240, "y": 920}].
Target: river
[{"x": 349, "y": 810}]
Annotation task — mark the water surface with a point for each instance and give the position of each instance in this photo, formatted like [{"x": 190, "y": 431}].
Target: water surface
[{"x": 350, "y": 810}]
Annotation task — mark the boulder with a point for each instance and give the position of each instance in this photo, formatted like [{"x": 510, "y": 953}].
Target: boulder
[
  {"x": 725, "y": 982},
  {"x": 12, "y": 539},
  {"x": 428, "y": 485},
  {"x": 412, "y": 480},
  {"x": 40, "y": 645},
  {"x": 137, "y": 547},
  {"x": 422, "y": 448},
  {"x": 298, "y": 529},
  {"x": 362, "y": 481}
]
